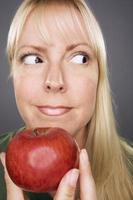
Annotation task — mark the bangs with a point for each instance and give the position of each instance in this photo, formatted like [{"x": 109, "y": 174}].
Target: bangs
[
  {"x": 69, "y": 19},
  {"x": 64, "y": 18}
]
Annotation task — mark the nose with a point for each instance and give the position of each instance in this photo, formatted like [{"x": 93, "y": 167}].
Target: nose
[
  {"x": 53, "y": 86},
  {"x": 54, "y": 81}
]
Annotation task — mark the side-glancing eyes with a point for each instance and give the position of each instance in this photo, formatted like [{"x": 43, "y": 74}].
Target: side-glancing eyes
[
  {"x": 33, "y": 59},
  {"x": 79, "y": 58}
]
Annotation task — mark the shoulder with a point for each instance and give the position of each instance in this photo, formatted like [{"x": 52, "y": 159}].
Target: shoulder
[{"x": 5, "y": 138}]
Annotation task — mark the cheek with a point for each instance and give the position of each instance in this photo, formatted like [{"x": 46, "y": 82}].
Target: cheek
[
  {"x": 84, "y": 96},
  {"x": 87, "y": 100},
  {"x": 88, "y": 94},
  {"x": 84, "y": 88},
  {"x": 25, "y": 88}
]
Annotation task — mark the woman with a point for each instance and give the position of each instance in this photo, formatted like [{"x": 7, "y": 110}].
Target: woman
[{"x": 58, "y": 66}]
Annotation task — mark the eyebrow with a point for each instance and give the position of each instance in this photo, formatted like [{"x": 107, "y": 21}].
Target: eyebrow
[
  {"x": 38, "y": 48},
  {"x": 72, "y": 46}
]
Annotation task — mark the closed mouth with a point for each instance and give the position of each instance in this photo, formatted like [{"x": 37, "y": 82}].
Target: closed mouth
[{"x": 54, "y": 110}]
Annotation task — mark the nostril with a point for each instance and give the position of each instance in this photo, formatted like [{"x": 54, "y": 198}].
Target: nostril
[
  {"x": 61, "y": 88},
  {"x": 54, "y": 86},
  {"x": 48, "y": 87}
]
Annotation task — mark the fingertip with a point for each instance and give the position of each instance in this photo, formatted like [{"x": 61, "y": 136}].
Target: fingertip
[
  {"x": 72, "y": 177},
  {"x": 2, "y": 158},
  {"x": 67, "y": 186},
  {"x": 84, "y": 157},
  {"x": 2, "y": 154}
]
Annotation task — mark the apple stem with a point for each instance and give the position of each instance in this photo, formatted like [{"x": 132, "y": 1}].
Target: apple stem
[{"x": 36, "y": 132}]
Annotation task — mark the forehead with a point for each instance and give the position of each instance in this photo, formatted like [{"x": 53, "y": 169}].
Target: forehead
[{"x": 54, "y": 24}]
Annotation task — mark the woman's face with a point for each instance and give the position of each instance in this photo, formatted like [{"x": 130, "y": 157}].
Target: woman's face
[{"x": 55, "y": 83}]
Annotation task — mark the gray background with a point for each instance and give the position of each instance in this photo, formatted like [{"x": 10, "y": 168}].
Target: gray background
[{"x": 116, "y": 19}]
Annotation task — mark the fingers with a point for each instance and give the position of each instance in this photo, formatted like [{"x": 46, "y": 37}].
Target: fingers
[
  {"x": 87, "y": 184},
  {"x": 13, "y": 192},
  {"x": 7, "y": 178},
  {"x": 67, "y": 186}
]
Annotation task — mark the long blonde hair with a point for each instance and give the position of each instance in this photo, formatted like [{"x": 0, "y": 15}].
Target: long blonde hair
[{"x": 109, "y": 154}]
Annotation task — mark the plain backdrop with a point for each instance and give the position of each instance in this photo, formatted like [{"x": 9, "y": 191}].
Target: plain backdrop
[{"x": 116, "y": 20}]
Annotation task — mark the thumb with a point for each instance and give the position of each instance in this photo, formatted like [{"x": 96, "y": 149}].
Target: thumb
[
  {"x": 67, "y": 186},
  {"x": 13, "y": 191}
]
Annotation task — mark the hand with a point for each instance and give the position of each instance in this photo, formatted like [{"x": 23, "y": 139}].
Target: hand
[
  {"x": 13, "y": 192},
  {"x": 67, "y": 186}
]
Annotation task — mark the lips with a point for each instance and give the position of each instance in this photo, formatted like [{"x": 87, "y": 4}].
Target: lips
[{"x": 54, "y": 110}]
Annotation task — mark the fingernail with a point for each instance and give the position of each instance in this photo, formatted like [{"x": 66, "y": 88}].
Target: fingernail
[
  {"x": 72, "y": 177},
  {"x": 84, "y": 157}
]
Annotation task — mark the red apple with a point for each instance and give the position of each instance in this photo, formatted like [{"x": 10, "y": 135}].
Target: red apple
[{"x": 37, "y": 159}]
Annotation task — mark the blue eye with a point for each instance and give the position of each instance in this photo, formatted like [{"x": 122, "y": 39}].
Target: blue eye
[
  {"x": 80, "y": 59},
  {"x": 31, "y": 59}
]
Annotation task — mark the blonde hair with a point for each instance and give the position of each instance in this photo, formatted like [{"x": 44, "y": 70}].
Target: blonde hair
[{"x": 109, "y": 154}]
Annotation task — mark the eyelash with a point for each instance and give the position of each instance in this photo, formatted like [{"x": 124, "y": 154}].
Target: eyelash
[
  {"x": 24, "y": 55},
  {"x": 83, "y": 53}
]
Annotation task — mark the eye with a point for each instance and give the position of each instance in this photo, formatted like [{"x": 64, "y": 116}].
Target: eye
[
  {"x": 81, "y": 58},
  {"x": 31, "y": 59}
]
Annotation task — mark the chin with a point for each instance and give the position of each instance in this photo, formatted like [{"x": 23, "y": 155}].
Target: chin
[{"x": 51, "y": 124}]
